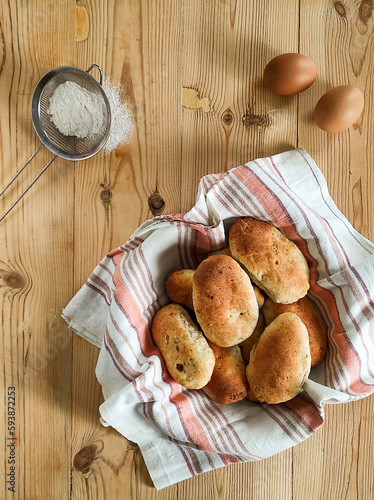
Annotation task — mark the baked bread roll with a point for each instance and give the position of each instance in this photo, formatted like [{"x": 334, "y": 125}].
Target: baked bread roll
[
  {"x": 229, "y": 382},
  {"x": 280, "y": 361},
  {"x": 222, "y": 251},
  {"x": 178, "y": 287},
  {"x": 224, "y": 301},
  {"x": 188, "y": 357},
  {"x": 304, "y": 309},
  {"x": 247, "y": 344},
  {"x": 273, "y": 262},
  {"x": 259, "y": 296},
  {"x": 250, "y": 396}
]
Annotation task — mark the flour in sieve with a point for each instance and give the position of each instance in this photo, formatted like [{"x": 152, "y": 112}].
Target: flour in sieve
[{"x": 75, "y": 111}]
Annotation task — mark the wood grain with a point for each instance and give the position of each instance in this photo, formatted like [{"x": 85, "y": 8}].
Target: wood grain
[{"x": 192, "y": 76}]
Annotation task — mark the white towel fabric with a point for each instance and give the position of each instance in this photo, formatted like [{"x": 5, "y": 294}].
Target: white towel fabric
[{"x": 181, "y": 432}]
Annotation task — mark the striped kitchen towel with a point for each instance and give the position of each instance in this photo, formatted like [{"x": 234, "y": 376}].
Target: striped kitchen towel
[{"x": 182, "y": 432}]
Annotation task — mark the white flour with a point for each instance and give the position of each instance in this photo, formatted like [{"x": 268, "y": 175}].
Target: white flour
[
  {"x": 122, "y": 125},
  {"x": 75, "y": 111}
]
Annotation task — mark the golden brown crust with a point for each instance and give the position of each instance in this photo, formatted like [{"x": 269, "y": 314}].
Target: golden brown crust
[
  {"x": 224, "y": 301},
  {"x": 188, "y": 357},
  {"x": 250, "y": 396},
  {"x": 259, "y": 296},
  {"x": 304, "y": 309},
  {"x": 280, "y": 361},
  {"x": 178, "y": 287},
  {"x": 273, "y": 262},
  {"x": 229, "y": 382},
  {"x": 247, "y": 344},
  {"x": 222, "y": 251}
]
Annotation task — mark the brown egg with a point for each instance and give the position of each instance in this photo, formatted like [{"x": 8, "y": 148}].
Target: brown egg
[
  {"x": 290, "y": 74},
  {"x": 339, "y": 108}
]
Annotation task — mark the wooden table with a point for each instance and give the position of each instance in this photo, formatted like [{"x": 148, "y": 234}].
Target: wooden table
[{"x": 192, "y": 75}]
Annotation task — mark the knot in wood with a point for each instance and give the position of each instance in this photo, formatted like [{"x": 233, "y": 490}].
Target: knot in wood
[
  {"x": 156, "y": 203},
  {"x": 84, "y": 458},
  {"x": 261, "y": 121},
  {"x": 106, "y": 195},
  {"x": 228, "y": 117},
  {"x": 12, "y": 279},
  {"x": 340, "y": 9},
  {"x": 365, "y": 10}
]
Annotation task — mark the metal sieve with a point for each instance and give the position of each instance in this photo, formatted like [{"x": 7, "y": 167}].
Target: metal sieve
[{"x": 67, "y": 147}]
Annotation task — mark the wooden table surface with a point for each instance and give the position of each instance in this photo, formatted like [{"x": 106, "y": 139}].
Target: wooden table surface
[{"x": 192, "y": 75}]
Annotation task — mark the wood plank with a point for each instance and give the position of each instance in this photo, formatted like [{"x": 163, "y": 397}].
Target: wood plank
[
  {"x": 192, "y": 76},
  {"x": 338, "y": 41},
  {"x": 225, "y": 50},
  {"x": 36, "y": 251},
  {"x": 342, "y": 52}
]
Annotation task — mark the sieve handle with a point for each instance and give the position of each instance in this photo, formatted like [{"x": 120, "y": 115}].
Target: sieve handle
[
  {"x": 99, "y": 70},
  {"x": 29, "y": 186}
]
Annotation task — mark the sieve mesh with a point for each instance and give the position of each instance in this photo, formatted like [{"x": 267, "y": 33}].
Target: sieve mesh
[{"x": 69, "y": 147}]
